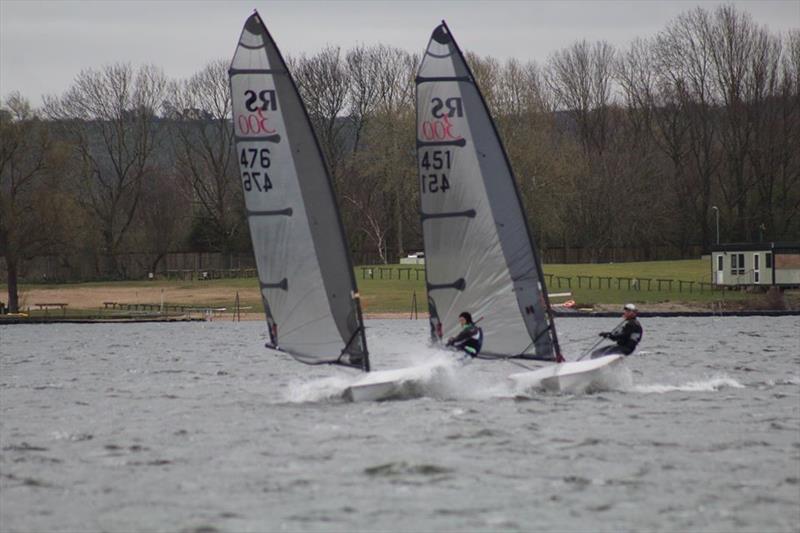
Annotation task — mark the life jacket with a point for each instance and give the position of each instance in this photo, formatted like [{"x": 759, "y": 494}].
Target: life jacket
[{"x": 475, "y": 341}]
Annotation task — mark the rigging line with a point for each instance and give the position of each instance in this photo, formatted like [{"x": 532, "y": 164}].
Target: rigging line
[
  {"x": 349, "y": 342},
  {"x": 587, "y": 352},
  {"x": 528, "y": 347},
  {"x": 339, "y": 362}
]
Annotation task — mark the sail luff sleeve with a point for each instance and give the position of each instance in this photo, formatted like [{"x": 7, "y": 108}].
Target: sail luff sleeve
[{"x": 305, "y": 273}]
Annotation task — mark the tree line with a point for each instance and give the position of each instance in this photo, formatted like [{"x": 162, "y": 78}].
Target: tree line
[{"x": 638, "y": 148}]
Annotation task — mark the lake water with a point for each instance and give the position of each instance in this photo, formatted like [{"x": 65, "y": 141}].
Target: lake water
[{"x": 196, "y": 427}]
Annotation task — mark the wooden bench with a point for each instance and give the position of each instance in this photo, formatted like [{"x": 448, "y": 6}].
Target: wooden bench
[{"x": 46, "y": 306}]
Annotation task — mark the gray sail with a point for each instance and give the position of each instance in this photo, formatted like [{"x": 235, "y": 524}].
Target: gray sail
[
  {"x": 479, "y": 254},
  {"x": 304, "y": 268}
]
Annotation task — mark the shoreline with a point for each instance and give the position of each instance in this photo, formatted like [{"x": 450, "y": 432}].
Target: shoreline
[
  {"x": 250, "y": 317},
  {"x": 142, "y": 304}
]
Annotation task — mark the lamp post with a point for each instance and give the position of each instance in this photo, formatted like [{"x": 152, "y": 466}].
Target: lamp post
[{"x": 716, "y": 213}]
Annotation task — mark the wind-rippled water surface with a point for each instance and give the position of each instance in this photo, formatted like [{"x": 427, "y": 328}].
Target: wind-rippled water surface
[{"x": 196, "y": 427}]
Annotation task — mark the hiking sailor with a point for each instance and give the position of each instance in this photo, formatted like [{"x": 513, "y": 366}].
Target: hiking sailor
[
  {"x": 626, "y": 336},
  {"x": 470, "y": 339}
]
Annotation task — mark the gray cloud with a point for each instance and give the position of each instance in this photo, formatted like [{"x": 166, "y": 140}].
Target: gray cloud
[{"x": 43, "y": 45}]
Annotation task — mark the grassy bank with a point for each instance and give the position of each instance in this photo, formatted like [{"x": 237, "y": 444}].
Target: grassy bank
[{"x": 391, "y": 289}]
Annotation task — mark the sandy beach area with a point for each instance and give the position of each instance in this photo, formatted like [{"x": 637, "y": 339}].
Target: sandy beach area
[{"x": 91, "y": 298}]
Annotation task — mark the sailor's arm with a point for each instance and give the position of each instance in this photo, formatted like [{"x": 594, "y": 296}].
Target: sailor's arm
[{"x": 460, "y": 338}]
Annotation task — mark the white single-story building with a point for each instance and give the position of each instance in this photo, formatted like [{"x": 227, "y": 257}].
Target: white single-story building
[{"x": 760, "y": 263}]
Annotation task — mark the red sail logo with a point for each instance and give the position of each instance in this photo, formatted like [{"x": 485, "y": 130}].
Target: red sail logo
[
  {"x": 440, "y": 128},
  {"x": 255, "y": 122}
]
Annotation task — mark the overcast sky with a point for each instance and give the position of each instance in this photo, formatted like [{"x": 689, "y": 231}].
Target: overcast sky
[{"x": 44, "y": 44}]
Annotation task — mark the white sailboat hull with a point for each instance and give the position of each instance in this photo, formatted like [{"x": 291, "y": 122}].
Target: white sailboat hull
[
  {"x": 571, "y": 377},
  {"x": 399, "y": 383}
]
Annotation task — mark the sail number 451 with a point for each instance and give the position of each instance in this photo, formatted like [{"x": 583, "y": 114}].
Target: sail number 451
[
  {"x": 435, "y": 160},
  {"x": 252, "y": 159}
]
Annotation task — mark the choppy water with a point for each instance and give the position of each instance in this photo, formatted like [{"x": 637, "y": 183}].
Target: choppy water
[{"x": 195, "y": 427}]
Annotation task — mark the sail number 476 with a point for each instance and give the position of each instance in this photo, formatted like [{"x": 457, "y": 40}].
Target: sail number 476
[
  {"x": 435, "y": 160},
  {"x": 254, "y": 163}
]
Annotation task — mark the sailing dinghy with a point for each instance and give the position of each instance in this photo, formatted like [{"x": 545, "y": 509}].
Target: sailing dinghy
[
  {"x": 304, "y": 269},
  {"x": 479, "y": 253}
]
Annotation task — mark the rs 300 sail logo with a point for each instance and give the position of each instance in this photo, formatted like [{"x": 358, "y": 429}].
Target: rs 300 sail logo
[
  {"x": 257, "y": 102},
  {"x": 440, "y": 128}
]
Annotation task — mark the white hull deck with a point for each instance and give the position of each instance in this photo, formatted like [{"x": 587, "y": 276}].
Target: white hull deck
[
  {"x": 572, "y": 377},
  {"x": 399, "y": 383}
]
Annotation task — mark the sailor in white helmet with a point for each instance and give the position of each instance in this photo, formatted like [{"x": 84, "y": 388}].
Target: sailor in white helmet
[{"x": 625, "y": 336}]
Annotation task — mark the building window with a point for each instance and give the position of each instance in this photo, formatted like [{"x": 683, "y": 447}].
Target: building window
[
  {"x": 737, "y": 264},
  {"x": 768, "y": 260}
]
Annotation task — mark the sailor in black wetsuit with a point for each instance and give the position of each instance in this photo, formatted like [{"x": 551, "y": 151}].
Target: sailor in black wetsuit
[
  {"x": 627, "y": 335},
  {"x": 470, "y": 338}
]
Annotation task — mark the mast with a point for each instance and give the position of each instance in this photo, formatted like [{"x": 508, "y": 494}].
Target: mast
[
  {"x": 480, "y": 254},
  {"x": 305, "y": 272}
]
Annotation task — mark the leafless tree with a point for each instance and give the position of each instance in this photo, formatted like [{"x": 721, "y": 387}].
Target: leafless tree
[
  {"x": 31, "y": 200},
  {"x": 364, "y": 66},
  {"x": 165, "y": 217},
  {"x": 324, "y": 83},
  {"x": 786, "y": 187},
  {"x": 110, "y": 117},
  {"x": 487, "y": 72},
  {"x": 204, "y": 147},
  {"x": 685, "y": 83},
  {"x": 580, "y": 77}
]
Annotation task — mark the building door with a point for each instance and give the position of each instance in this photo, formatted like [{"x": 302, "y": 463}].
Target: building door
[
  {"x": 720, "y": 270},
  {"x": 756, "y": 268}
]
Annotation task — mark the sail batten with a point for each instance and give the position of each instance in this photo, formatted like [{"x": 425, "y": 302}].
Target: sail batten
[
  {"x": 463, "y": 168},
  {"x": 274, "y": 71},
  {"x": 421, "y": 79},
  {"x": 305, "y": 274}
]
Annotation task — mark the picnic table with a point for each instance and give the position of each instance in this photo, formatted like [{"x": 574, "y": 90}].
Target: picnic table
[{"x": 50, "y": 305}]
